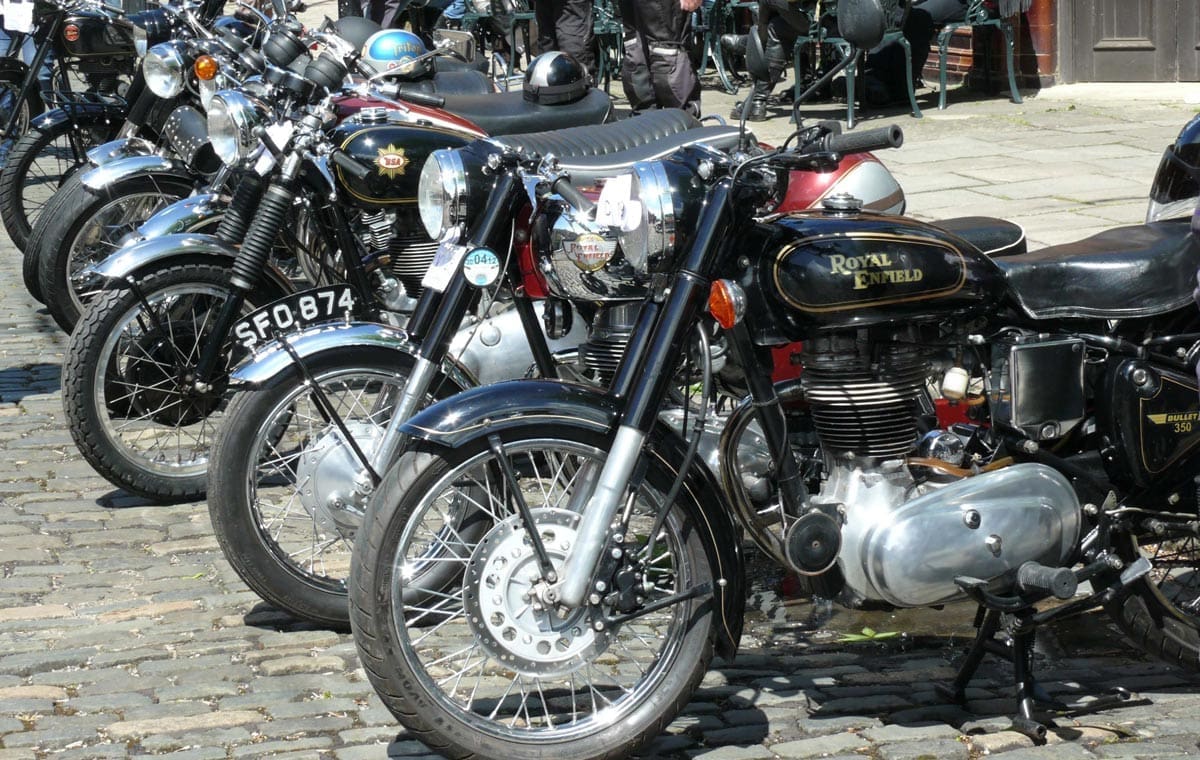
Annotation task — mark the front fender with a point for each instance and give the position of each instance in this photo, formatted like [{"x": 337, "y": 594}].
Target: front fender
[
  {"x": 139, "y": 255},
  {"x": 115, "y": 150},
  {"x": 100, "y": 177},
  {"x": 481, "y": 412},
  {"x": 83, "y": 114},
  {"x": 271, "y": 363},
  {"x": 184, "y": 216}
]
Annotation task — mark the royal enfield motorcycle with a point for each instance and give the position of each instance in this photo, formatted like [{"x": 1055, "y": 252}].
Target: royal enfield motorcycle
[{"x": 916, "y": 423}]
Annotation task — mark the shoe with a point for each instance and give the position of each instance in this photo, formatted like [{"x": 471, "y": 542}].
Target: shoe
[
  {"x": 758, "y": 111},
  {"x": 733, "y": 44}
]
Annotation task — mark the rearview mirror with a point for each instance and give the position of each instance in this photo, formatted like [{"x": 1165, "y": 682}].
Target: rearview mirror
[
  {"x": 861, "y": 22},
  {"x": 461, "y": 43}
]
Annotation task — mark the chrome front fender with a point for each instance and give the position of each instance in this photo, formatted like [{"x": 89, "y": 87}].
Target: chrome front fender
[
  {"x": 136, "y": 256},
  {"x": 100, "y": 177},
  {"x": 272, "y": 362},
  {"x": 115, "y": 150},
  {"x": 184, "y": 216}
]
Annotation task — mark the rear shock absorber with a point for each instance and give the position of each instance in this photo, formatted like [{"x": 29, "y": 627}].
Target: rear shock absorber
[{"x": 242, "y": 207}]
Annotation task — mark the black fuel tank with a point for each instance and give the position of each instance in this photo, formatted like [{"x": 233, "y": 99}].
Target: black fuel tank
[
  {"x": 90, "y": 34},
  {"x": 821, "y": 270},
  {"x": 397, "y": 151},
  {"x": 1153, "y": 416}
]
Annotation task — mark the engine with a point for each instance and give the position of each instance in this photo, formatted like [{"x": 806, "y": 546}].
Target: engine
[{"x": 893, "y": 517}]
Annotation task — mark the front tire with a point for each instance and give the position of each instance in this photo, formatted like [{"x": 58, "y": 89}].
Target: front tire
[
  {"x": 38, "y": 165},
  {"x": 276, "y": 466},
  {"x": 84, "y": 226},
  {"x": 133, "y": 412},
  {"x": 476, "y": 670}
]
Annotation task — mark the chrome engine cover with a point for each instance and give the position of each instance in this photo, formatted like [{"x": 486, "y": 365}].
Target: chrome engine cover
[
  {"x": 907, "y": 553},
  {"x": 496, "y": 348}
]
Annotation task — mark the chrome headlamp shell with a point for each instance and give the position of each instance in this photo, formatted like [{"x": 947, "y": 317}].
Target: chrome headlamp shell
[
  {"x": 164, "y": 69},
  {"x": 655, "y": 236},
  {"x": 232, "y": 118},
  {"x": 442, "y": 192}
]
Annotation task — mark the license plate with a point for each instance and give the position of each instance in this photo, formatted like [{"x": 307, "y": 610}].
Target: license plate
[{"x": 294, "y": 312}]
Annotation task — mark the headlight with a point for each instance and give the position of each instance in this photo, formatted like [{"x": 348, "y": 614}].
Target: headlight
[
  {"x": 141, "y": 41},
  {"x": 232, "y": 119},
  {"x": 656, "y": 233},
  {"x": 442, "y": 192},
  {"x": 163, "y": 68}
]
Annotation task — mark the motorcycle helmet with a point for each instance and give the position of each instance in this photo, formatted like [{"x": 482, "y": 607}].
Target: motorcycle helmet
[
  {"x": 395, "y": 51},
  {"x": 555, "y": 77},
  {"x": 1176, "y": 189}
]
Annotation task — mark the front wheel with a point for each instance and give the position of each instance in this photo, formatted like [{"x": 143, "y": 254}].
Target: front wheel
[
  {"x": 129, "y": 387},
  {"x": 39, "y": 163},
  {"x": 282, "y": 494},
  {"x": 485, "y": 667},
  {"x": 1161, "y": 610},
  {"x": 84, "y": 226}
]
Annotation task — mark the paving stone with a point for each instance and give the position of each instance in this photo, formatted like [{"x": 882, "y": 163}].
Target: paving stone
[
  {"x": 820, "y": 745},
  {"x": 136, "y": 728},
  {"x": 1143, "y": 750},
  {"x": 732, "y": 753},
  {"x": 939, "y": 749},
  {"x": 903, "y": 733}
]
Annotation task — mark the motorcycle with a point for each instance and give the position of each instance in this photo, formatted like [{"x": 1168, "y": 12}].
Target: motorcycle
[
  {"x": 915, "y": 423},
  {"x": 48, "y": 133},
  {"x": 124, "y": 443}
]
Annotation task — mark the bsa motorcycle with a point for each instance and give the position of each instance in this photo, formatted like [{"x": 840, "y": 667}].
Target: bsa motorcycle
[{"x": 914, "y": 423}]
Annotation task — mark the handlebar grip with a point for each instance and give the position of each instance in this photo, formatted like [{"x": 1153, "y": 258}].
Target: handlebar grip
[
  {"x": 420, "y": 98},
  {"x": 867, "y": 140},
  {"x": 1033, "y": 577},
  {"x": 572, "y": 195},
  {"x": 349, "y": 164}
]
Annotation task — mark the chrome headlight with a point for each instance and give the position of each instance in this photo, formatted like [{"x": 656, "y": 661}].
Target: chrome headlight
[
  {"x": 163, "y": 67},
  {"x": 655, "y": 235},
  {"x": 442, "y": 192},
  {"x": 232, "y": 119}
]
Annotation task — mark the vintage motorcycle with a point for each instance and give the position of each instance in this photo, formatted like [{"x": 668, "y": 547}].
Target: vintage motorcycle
[
  {"x": 176, "y": 278},
  {"x": 951, "y": 427}
]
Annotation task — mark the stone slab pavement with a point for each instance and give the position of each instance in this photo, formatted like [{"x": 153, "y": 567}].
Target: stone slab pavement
[{"x": 123, "y": 632}]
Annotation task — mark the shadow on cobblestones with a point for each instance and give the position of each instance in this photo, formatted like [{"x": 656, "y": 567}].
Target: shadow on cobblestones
[{"x": 29, "y": 379}]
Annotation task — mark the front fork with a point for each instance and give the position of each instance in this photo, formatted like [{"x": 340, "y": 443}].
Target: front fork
[{"x": 644, "y": 378}]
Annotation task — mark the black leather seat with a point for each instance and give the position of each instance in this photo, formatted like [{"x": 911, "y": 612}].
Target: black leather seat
[
  {"x": 994, "y": 237},
  {"x": 605, "y": 150},
  {"x": 508, "y": 113},
  {"x": 1134, "y": 271},
  {"x": 455, "y": 82}
]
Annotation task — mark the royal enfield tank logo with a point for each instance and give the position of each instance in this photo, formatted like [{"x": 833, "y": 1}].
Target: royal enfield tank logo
[
  {"x": 391, "y": 161},
  {"x": 589, "y": 251},
  {"x": 872, "y": 269}
]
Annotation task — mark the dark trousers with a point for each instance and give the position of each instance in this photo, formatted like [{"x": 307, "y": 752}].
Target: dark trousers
[
  {"x": 657, "y": 71},
  {"x": 887, "y": 63},
  {"x": 567, "y": 25}
]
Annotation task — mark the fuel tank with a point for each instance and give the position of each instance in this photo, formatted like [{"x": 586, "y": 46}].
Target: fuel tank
[
  {"x": 396, "y": 149},
  {"x": 89, "y": 34},
  {"x": 814, "y": 270}
]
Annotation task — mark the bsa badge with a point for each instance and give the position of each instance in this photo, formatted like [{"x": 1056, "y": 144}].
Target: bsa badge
[
  {"x": 589, "y": 251},
  {"x": 71, "y": 33},
  {"x": 391, "y": 161}
]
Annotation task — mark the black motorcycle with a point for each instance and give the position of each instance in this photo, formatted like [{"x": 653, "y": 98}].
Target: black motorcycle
[{"x": 604, "y": 565}]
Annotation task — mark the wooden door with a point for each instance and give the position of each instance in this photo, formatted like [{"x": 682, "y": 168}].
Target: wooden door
[
  {"x": 1189, "y": 41},
  {"x": 1130, "y": 40}
]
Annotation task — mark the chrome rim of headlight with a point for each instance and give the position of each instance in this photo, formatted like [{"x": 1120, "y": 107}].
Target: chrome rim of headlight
[
  {"x": 163, "y": 68},
  {"x": 656, "y": 234},
  {"x": 442, "y": 192},
  {"x": 232, "y": 119},
  {"x": 141, "y": 41}
]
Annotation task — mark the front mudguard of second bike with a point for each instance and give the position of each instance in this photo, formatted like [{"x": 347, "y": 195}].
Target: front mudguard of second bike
[
  {"x": 100, "y": 178},
  {"x": 115, "y": 150},
  {"x": 137, "y": 259},
  {"x": 473, "y": 416}
]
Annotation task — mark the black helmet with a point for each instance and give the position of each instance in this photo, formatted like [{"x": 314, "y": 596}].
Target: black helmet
[
  {"x": 1176, "y": 188},
  {"x": 555, "y": 77}
]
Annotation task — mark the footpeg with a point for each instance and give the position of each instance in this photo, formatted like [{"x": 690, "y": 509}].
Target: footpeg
[{"x": 1035, "y": 578}]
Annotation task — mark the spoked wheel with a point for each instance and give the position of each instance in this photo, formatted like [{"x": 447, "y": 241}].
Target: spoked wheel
[
  {"x": 84, "y": 227},
  {"x": 283, "y": 496},
  {"x": 1161, "y": 610},
  {"x": 38, "y": 165},
  {"x": 129, "y": 387},
  {"x": 487, "y": 666}
]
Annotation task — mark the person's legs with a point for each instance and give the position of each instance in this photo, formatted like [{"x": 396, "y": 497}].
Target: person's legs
[
  {"x": 667, "y": 29},
  {"x": 782, "y": 25},
  {"x": 573, "y": 28},
  {"x": 545, "y": 12},
  {"x": 635, "y": 68}
]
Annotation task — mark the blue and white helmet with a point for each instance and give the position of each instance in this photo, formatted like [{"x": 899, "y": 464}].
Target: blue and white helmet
[{"x": 394, "y": 51}]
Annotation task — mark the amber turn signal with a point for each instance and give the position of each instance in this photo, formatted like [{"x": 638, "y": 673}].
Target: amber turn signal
[
  {"x": 206, "y": 67},
  {"x": 727, "y": 303}
]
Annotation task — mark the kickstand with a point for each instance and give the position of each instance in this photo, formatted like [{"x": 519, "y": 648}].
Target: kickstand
[{"x": 1019, "y": 651}]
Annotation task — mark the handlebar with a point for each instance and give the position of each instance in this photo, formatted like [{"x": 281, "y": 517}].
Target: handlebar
[
  {"x": 861, "y": 142},
  {"x": 349, "y": 164},
  {"x": 572, "y": 195}
]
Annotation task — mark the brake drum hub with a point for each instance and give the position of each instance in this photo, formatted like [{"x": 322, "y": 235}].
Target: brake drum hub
[
  {"x": 502, "y": 607},
  {"x": 327, "y": 471}
]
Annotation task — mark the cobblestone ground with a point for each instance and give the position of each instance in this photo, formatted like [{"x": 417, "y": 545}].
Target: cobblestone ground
[{"x": 124, "y": 632}]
